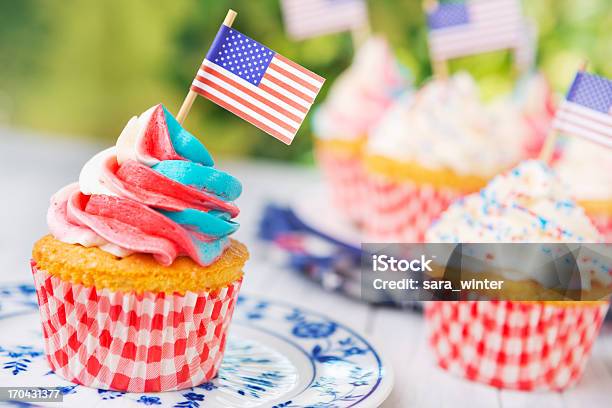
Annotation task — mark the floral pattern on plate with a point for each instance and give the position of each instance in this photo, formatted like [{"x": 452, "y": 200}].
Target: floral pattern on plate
[{"x": 277, "y": 355}]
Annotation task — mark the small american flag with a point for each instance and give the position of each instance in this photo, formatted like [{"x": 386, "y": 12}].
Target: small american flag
[
  {"x": 473, "y": 26},
  {"x": 310, "y": 18},
  {"x": 587, "y": 109},
  {"x": 257, "y": 84}
]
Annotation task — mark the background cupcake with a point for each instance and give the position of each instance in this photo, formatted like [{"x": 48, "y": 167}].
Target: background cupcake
[
  {"x": 586, "y": 168},
  {"x": 138, "y": 281},
  {"x": 521, "y": 345},
  {"x": 354, "y": 105},
  {"x": 430, "y": 150}
]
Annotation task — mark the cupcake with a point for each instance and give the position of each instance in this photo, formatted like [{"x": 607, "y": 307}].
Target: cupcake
[
  {"x": 586, "y": 168},
  {"x": 138, "y": 279},
  {"x": 535, "y": 345},
  {"x": 354, "y": 105},
  {"x": 429, "y": 150}
]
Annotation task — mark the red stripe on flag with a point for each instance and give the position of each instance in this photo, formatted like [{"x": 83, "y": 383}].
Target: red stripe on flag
[
  {"x": 300, "y": 68},
  {"x": 575, "y": 112},
  {"x": 288, "y": 88},
  {"x": 242, "y": 115},
  {"x": 283, "y": 98},
  {"x": 228, "y": 93},
  {"x": 252, "y": 94},
  {"x": 578, "y": 121},
  {"x": 293, "y": 77}
]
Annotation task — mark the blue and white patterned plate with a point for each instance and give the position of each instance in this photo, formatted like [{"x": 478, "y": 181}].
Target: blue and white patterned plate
[{"x": 277, "y": 356}]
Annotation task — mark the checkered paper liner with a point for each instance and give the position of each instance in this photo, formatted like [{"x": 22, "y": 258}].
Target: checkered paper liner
[
  {"x": 514, "y": 345},
  {"x": 346, "y": 180},
  {"x": 403, "y": 211},
  {"x": 129, "y": 342}
]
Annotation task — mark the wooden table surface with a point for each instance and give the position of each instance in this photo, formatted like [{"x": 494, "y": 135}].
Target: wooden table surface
[{"x": 32, "y": 168}]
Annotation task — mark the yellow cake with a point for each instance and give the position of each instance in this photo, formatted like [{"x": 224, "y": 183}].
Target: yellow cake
[
  {"x": 411, "y": 171},
  {"x": 344, "y": 148},
  {"x": 137, "y": 272}
]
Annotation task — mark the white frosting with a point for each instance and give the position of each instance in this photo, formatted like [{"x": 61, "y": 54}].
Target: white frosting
[
  {"x": 446, "y": 126},
  {"x": 586, "y": 168},
  {"x": 527, "y": 204},
  {"x": 90, "y": 178},
  {"x": 362, "y": 93},
  {"x": 129, "y": 144}
]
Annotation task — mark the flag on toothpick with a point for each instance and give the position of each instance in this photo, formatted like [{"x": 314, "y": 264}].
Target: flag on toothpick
[
  {"x": 473, "y": 26},
  {"x": 587, "y": 109},
  {"x": 311, "y": 18},
  {"x": 257, "y": 84}
]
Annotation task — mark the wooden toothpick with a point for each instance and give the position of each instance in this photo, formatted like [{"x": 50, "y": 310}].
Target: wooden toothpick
[
  {"x": 191, "y": 95},
  {"x": 439, "y": 67},
  {"x": 548, "y": 149}
]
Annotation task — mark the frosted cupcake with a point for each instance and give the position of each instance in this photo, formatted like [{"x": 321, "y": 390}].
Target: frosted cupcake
[
  {"x": 429, "y": 150},
  {"x": 354, "y": 105},
  {"x": 507, "y": 344},
  {"x": 586, "y": 168},
  {"x": 138, "y": 280}
]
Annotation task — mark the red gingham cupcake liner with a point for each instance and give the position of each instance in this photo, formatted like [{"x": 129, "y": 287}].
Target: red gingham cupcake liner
[
  {"x": 346, "y": 180},
  {"x": 402, "y": 212},
  {"x": 514, "y": 345},
  {"x": 604, "y": 225},
  {"x": 130, "y": 342}
]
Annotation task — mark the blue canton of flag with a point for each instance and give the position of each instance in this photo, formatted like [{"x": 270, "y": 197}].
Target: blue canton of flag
[
  {"x": 591, "y": 91},
  {"x": 257, "y": 84},
  {"x": 587, "y": 109},
  {"x": 448, "y": 15},
  {"x": 240, "y": 54}
]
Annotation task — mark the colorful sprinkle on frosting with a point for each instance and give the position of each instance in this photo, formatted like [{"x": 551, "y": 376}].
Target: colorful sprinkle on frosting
[{"x": 525, "y": 204}]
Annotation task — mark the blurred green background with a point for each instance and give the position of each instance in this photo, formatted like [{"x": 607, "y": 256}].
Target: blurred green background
[{"x": 83, "y": 68}]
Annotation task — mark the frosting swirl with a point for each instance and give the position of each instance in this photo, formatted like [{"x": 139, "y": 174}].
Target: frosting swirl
[
  {"x": 361, "y": 94},
  {"x": 525, "y": 204},
  {"x": 155, "y": 192},
  {"x": 445, "y": 126}
]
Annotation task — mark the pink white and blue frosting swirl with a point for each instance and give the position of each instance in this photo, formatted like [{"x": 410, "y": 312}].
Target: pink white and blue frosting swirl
[
  {"x": 155, "y": 192},
  {"x": 362, "y": 93}
]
